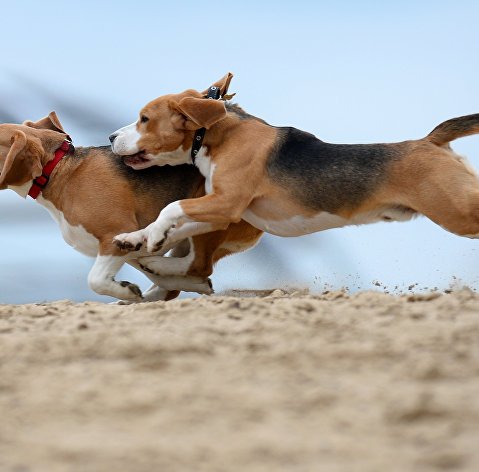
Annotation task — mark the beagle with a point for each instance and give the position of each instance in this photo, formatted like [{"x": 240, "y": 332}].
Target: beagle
[
  {"x": 288, "y": 182},
  {"x": 93, "y": 196}
]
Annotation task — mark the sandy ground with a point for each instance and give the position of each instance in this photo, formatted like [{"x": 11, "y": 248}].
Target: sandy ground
[{"x": 368, "y": 382}]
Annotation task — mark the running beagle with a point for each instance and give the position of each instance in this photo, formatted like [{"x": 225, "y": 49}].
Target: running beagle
[
  {"x": 288, "y": 182},
  {"x": 93, "y": 196}
]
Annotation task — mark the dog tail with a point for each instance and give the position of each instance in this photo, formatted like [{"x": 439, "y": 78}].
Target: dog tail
[{"x": 454, "y": 129}]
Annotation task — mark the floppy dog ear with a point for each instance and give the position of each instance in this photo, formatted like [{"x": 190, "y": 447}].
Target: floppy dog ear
[
  {"x": 222, "y": 84},
  {"x": 49, "y": 122},
  {"x": 201, "y": 113},
  {"x": 32, "y": 167},
  {"x": 18, "y": 143}
]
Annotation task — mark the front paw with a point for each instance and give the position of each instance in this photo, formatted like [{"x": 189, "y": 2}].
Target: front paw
[
  {"x": 156, "y": 238},
  {"x": 130, "y": 241}
]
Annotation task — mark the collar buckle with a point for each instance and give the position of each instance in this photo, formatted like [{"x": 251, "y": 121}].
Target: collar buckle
[{"x": 42, "y": 181}]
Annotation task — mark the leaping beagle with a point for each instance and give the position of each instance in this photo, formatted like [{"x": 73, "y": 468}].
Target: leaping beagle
[{"x": 288, "y": 182}]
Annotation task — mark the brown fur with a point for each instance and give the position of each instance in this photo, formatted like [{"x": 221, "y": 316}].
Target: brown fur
[
  {"x": 75, "y": 186},
  {"x": 425, "y": 176}
]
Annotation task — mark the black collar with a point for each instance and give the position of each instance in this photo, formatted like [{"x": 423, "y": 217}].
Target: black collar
[{"x": 214, "y": 93}]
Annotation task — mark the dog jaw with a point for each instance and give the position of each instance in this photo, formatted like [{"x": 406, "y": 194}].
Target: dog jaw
[
  {"x": 172, "y": 158},
  {"x": 138, "y": 161}
]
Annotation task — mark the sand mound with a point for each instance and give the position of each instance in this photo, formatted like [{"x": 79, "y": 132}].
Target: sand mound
[{"x": 369, "y": 382}]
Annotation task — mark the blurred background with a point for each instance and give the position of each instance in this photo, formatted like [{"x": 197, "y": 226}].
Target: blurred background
[{"x": 347, "y": 71}]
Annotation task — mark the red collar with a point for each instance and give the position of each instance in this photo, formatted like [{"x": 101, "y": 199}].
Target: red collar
[{"x": 41, "y": 182}]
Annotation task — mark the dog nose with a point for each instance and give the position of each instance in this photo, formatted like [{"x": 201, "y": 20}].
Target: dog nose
[{"x": 112, "y": 137}]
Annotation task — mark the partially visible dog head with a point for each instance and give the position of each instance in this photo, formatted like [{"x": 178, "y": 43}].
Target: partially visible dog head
[
  {"x": 164, "y": 131},
  {"x": 26, "y": 148}
]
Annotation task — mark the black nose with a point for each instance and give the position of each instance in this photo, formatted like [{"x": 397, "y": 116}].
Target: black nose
[{"x": 112, "y": 137}]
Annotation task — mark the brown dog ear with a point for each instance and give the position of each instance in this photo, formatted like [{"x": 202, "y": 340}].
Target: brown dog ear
[
  {"x": 223, "y": 84},
  {"x": 32, "y": 166},
  {"x": 49, "y": 122},
  {"x": 201, "y": 113},
  {"x": 18, "y": 143}
]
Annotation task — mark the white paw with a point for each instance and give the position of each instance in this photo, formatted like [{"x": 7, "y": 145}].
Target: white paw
[
  {"x": 155, "y": 294},
  {"x": 156, "y": 237},
  {"x": 130, "y": 241},
  {"x": 205, "y": 287}
]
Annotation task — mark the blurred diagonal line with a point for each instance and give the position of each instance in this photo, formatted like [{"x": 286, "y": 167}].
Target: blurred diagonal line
[
  {"x": 7, "y": 117},
  {"x": 88, "y": 117}
]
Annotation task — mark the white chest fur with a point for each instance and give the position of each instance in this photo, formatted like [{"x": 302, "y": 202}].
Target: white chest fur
[
  {"x": 76, "y": 236},
  {"x": 207, "y": 169},
  {"x": 299, "y": 225}
]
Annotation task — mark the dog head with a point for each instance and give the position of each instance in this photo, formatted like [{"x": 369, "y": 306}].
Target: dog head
[
  {"x": 163, "y": 133},
  {"x": 26, "y": 148}
]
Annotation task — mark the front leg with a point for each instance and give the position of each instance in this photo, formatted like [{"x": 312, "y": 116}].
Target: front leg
[
  {"x": 154, "y": 234},
  {"x": 186, "y": 231},
  {"x": 212, "y": 208},
  {"x": 101, "y": 279}
]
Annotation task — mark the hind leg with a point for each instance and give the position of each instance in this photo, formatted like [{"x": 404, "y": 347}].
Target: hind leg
[
  {"x": 203, "y": 251},
  {"x": 178, "y": 262},
  {"x": 448, "y": 194}
]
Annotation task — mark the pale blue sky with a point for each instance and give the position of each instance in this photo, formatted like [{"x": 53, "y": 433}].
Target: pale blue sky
[{"x": 347, "y": 71}]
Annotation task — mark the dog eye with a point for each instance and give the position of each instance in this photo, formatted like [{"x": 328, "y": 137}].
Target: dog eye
[{"x": 144, "y": 118}]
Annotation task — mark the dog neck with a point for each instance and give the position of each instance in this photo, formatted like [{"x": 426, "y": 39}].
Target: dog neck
[
  {"x": 57, "y": 179},
  {"x": 236, "y": 123},
  {"x": 40, "y": 182}
]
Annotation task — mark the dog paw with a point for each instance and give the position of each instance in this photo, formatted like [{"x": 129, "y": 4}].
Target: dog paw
[
  {"x": 144, "y": 268},
  {"x": 122, "y": 302},
  {"x": 134, "y": 289},
  {"x": 156, "y": 239},
  {"x": 155, "y": 246},
  {"x": 129, "y": 241},
  {"x": 204, "y": 287}
]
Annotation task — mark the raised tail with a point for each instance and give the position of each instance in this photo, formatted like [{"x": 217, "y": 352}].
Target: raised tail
[{"x": 454, "y": 129}]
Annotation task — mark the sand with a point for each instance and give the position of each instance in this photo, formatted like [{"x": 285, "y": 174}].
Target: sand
[{"x": 286, "y": 382}]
